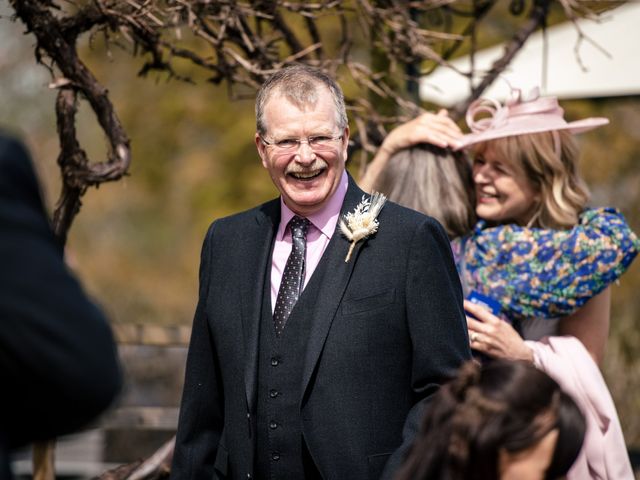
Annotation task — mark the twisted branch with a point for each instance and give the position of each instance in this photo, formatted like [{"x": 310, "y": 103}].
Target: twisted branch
[{"x": 57, "y": 39}]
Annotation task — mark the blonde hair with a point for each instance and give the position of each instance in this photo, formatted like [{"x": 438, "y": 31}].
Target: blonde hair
[
  {"x": 549, "y": 161},
  {"x": 433, "y": 181}
]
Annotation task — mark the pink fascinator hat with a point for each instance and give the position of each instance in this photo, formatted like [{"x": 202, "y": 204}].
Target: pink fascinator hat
[{"x": 518, "y": 116}]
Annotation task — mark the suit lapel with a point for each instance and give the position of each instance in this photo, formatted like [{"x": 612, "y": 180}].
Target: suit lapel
[
  {"x": 260, "y": 238},
  {"x": 329, "y": 285}
]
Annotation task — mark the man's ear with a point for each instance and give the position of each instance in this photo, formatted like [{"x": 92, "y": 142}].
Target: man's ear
[
  {"x": 262, "y": 150},
  {"x": 345, "y": 142}
]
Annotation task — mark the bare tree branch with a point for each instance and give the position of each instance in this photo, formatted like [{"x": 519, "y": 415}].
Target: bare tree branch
[
  {"x": 536, "y": 19},
  {"x": 57, "y": 40}
]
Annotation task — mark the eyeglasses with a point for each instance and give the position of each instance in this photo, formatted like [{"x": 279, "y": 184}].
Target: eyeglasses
[{"x": 317, "y": 143}]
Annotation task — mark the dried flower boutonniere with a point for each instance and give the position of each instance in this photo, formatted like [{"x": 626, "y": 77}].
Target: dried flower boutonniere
[{"x": 362, "y": 222}]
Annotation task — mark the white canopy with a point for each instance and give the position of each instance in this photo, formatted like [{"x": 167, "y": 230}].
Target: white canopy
[{"x": 611, "y": 73}]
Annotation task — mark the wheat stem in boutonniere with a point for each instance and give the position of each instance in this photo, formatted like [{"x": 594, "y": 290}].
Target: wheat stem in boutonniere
[{"x": 362, "y": 222}]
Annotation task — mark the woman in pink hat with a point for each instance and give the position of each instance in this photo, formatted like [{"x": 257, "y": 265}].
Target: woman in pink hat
[{"x": 536, "y": 252}]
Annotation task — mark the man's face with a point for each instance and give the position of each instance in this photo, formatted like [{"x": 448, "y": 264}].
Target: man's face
[{"x": 306, "y": 175}]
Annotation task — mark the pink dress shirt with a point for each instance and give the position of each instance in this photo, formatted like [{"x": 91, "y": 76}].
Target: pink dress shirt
[{"x": 323, "y": 224}]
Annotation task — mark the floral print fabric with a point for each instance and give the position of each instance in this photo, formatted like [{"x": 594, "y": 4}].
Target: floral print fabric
[{"x": 544, "y": 273}]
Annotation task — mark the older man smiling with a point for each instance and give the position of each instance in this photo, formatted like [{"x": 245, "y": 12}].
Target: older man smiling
[{"x": 307, "y": 358}]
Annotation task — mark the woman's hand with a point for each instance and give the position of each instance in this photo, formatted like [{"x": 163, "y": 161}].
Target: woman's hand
[
  {"x": 493, "y": 336},
  {"x": 437, "y": 129}
]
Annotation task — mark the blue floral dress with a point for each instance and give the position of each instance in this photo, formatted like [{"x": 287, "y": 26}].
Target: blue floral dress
[{"x": 544, "y": 273}]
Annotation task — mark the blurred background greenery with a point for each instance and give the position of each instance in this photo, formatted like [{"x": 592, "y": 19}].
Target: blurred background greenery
[{"x": 136, "y": 242}]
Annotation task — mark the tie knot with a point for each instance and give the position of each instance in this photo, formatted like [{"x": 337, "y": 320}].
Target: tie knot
[{"x": 299, "y": 227}]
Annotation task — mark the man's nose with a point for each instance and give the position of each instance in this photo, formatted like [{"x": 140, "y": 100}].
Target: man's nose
[{"x": 305, "y": 153}]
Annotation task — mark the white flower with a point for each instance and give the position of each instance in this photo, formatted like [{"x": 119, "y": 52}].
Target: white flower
[{"x": 362, "y": 222}]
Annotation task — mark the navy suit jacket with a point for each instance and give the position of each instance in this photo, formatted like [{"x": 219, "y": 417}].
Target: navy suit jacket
[{"x": 388, "y": 328}]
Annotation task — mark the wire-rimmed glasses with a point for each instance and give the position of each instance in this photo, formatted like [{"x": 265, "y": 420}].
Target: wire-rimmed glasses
[{"x": 317, "y": 143}]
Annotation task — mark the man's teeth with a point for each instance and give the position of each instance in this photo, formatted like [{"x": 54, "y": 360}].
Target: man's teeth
[{"x": 305, "y": 175}]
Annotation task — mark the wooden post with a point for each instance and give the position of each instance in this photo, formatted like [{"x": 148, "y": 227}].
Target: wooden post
[{"x": 43, "y": 460}]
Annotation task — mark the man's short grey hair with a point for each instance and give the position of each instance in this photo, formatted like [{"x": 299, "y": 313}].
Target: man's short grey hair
[{"x": 299, "y": 84}]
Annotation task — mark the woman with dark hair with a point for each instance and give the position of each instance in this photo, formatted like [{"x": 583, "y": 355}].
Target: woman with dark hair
[{"x": 502, "y": 420}]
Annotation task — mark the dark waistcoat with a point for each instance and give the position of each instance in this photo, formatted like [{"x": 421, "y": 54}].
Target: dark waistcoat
[
  {"x": 279, "y": 425},
  {"x": 281, "y": 453}
]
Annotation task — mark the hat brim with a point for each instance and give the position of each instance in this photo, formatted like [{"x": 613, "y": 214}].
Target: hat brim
[{"x": 579, "y": 126}]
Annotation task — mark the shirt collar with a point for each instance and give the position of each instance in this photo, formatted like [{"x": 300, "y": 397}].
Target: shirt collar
[{"x": 326, "y": 218}]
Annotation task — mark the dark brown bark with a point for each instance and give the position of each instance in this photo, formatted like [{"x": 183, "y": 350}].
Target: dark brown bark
[{"x": 57, "y": 40}]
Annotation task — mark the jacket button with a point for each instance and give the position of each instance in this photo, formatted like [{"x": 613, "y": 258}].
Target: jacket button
[
  {"x": 273, "y": 425},
  {"x": 275, "y": 361},
  {"x": 275, "y": 457},
  {"x": 273, "y": 393}
]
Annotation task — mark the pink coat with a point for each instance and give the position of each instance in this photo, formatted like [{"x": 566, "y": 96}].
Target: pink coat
[{"x": 604, "y": 453}]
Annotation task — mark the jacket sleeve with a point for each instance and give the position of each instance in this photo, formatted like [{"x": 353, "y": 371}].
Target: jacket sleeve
[
  {"x": 202, "y": 410},
  {"x": 436, "y": 322},
  {"x": 58, "y": 362}
]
